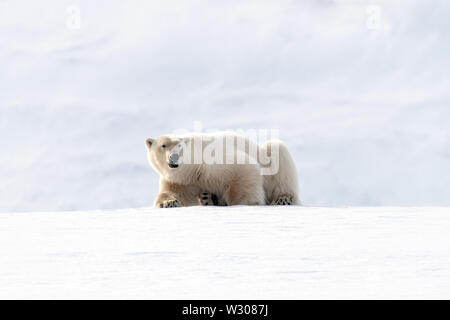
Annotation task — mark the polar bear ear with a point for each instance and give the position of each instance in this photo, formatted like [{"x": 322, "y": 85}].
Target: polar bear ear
[{"x": 149, "y": 142}]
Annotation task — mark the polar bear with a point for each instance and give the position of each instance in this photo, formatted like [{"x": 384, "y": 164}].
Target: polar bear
[{"x": 223, "y": 168}]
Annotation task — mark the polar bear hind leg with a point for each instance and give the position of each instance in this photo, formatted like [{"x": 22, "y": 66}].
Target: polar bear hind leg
[{"x": 282, "y": 187}]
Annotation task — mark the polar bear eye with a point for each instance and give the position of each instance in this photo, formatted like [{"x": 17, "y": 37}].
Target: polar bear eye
[{"x": 163, "y": 146}]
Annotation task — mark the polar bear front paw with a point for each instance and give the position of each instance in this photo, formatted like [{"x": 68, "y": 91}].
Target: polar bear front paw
[
  {"x": 283, "y": 201},
  {"x": 170, "y": 204},
  {"x": 207, "y": 199}
]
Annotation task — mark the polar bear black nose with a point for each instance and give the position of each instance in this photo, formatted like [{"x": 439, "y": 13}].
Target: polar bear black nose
[{"x": 174, "y": 157}]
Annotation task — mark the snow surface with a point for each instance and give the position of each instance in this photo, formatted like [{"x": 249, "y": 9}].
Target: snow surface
[
  {"x": 227, "y": 253},
  {"x": 365, "y": 112}
]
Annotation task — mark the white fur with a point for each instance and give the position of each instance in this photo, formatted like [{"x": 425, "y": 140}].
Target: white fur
[{"x": 234, "y": 183}]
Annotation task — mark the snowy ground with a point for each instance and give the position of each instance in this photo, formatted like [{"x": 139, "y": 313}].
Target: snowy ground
[{"x": 238, "y": 252}]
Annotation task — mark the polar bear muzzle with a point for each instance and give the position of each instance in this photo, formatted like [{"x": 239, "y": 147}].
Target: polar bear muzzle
[{"x": 173, "y": 160}]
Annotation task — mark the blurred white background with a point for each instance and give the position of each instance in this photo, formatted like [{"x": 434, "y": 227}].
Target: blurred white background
[{"x": 358, "y": 89}]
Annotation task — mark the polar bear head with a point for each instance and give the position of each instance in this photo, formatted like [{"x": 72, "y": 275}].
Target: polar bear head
[
  {"x": 163, "y": 153},
  {"x": 165, "y": 156}
]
